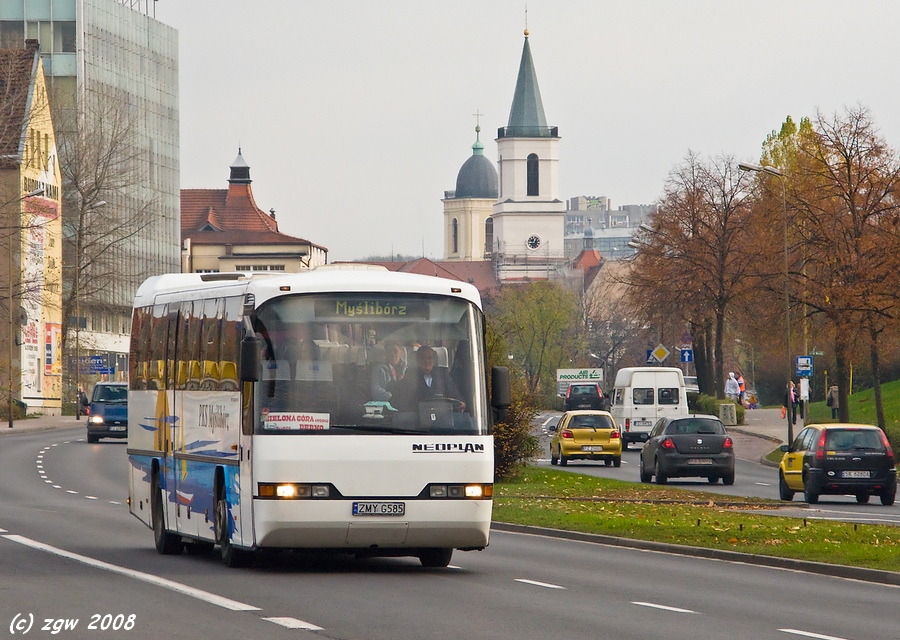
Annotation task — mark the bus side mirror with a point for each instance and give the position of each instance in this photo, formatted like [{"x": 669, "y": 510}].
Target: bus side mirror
[
  {"x": 250, "y": 349},
  {"x": 500, "y": 396}
]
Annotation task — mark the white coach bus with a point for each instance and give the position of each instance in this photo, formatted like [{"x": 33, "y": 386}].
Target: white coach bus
[{"x": 255, "y": 419}]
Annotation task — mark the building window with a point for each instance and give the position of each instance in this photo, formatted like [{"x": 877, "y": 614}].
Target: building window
[
  {"x": 489, "y": 235},
  {"x": 63, "y": 37},
  {"x": 12, "y": 34},
  {"x": 454, "y": 236},
  {"x": 533, "y": 175}
]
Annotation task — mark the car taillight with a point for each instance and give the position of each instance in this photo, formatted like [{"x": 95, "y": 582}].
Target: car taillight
[
  {"x": 566, "y": 434},
  {"x": 568, "y": 392},
  {"x": 728, "y": 443},
  {"x": 820, "y": 449},
  {"x": 887, "y": 445},
  {"x": 614, "y": 435},
  {"x": 627, "y": 424},
  {"x": 668, "y": 444}
]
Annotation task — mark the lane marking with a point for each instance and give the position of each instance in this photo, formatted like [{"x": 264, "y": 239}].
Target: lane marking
[
  {"x": 763, "y": 484},
  {"x": 171, "y": 585},
  {"x": 293, "y": 623},
  {"x": 808, "y": 634},
  {"x": 539, "y": 584},
  {"x": 663, "y": 607}
]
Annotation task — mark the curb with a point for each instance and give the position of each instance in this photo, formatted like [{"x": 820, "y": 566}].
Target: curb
[{"x": 833, "y": 570}]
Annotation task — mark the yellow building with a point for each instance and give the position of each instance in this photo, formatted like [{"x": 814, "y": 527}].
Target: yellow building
[{"x": 30, "y": 240}]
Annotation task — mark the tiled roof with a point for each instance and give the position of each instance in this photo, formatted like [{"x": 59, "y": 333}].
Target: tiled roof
[{"x": 17, "y": 68}]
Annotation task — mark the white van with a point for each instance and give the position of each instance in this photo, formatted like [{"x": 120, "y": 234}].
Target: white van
[{"x": 643, "y": 395}]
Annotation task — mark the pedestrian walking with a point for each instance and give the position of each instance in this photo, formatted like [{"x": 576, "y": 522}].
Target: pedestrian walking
[
  {"x": 791, "y": 400},
  {"x": 832, "y": 399},
  {"x": 742, "y": 387}
]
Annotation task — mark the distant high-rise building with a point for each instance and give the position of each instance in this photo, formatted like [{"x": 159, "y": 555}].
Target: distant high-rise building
[{"x": 116, "y": 49}]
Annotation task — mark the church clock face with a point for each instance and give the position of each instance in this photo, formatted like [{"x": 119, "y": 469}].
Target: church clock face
[{"x": 533, "y": 242}]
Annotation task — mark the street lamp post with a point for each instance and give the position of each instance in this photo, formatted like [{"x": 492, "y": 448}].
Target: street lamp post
[
  {"x": 76, "y": 290},
  {"x": 743, "y": 166},
  {"x": 13, "y": 225}
]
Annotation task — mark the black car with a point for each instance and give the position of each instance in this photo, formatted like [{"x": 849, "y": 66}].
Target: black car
[
  {"x": 585, "y": 395},
  {"x": 685, "y": 446},
  {"x": 838, "y": 459}
]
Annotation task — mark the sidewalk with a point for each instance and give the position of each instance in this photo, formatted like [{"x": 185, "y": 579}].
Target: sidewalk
[
  {"x": 41, "y": 423},
  {"x": 763, "y": 431}
]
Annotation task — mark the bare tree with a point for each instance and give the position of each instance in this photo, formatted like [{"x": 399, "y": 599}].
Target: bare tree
[
  {"x": 695, "y": 263},
  {"x": 103, "y": 206},
  {"x": 845, "y": 195}
]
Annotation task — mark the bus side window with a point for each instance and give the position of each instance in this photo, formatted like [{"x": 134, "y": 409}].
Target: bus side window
[
  {"x": 230, "y": 340},
  {"x": 209, "y": 345}
]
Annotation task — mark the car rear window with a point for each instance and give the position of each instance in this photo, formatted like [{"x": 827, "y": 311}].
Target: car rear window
[
  {"x": 591, "y": 422},
  {"x": 585, "y": 390},
  {"x": 695, "y": 426},
  {"x": 850, "y": 439}
]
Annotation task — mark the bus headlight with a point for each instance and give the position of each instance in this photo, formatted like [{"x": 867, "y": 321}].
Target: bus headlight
[
  {"x": 293, "y": 490},
  {"x": 461, "y": 491}
]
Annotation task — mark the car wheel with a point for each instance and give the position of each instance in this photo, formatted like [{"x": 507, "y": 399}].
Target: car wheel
[
  {"x": 624, "y": 445},
  {"x": 553, "y": 459},
  {"x": 563, "y": 460},
  {"x": 617, "y": 461},
  {"x": 435, "y": 558},
  {"x": 607, "y": 461},
  {"x": 887, "y": 499},
  {"x": 810, "y": 495},
  {"x": 645, "y": 475},
  {"x": 661, "y": 478},
  {"x": 713, "y": 479},
  {"x": 728, "y": 478},
  {"x": 862, "y": 498},
  {"x": 93, "y": 439},
  {"x": 784, "y": 491},
  {"x": 167, "y": 544}
]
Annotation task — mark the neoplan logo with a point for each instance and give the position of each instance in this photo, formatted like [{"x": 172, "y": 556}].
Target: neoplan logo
[{"x": 448, "y": 447}]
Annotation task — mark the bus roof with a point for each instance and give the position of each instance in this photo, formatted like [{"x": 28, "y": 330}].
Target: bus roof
[{"x": 324, "y": 279}]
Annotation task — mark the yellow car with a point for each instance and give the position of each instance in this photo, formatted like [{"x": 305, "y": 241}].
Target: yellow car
[
  {"x": 838, "y": 459},
  {"x": 586, "y": 435}
]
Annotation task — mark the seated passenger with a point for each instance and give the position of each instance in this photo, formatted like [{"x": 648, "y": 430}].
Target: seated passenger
[{"x": 385, "y": 376}]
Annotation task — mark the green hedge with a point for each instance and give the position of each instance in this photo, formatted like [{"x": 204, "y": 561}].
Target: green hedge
[{"x": 710, "y": 405}]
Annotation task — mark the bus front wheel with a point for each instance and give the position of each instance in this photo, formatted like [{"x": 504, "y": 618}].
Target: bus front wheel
[
  {"x": 439, "y": 557},
  {"x": 231, "y": 556}
]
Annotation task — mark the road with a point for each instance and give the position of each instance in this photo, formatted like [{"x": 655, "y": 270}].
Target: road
[
  {"x": 752, "y": 479},
  {"x": 70, "y": 551}
]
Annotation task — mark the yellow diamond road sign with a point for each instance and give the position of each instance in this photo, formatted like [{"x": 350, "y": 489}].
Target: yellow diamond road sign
[{"x": 660, "y": 353}]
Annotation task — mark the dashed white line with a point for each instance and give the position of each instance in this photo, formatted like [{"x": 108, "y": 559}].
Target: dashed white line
[
  {"x": 546, "y": 585},
  {"x": 653, "y": 605},
  {"x": 809, "y": 634},
  {"x": 293, "y": 623}
]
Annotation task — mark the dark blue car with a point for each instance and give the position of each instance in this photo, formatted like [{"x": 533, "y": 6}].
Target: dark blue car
[{"x": 109, "y": 411}]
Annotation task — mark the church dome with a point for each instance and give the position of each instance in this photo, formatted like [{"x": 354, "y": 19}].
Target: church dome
[{"x": 477, "y": 178}]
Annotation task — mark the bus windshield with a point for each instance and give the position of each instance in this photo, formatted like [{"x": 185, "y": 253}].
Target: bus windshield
[{"x": 391, "y": 363}]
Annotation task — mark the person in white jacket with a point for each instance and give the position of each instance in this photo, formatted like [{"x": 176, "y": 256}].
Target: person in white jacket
[{"x": 732, "y": 388}]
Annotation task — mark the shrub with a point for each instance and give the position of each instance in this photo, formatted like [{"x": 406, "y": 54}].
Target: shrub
[{"x": 710, "y": 405}]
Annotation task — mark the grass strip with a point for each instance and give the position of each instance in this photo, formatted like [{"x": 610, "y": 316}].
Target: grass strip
[{"x": 574, "y": 502}]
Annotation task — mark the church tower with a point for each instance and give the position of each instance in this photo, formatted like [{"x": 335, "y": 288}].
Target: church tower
[
  {"x": 528, "y": 216},
  {"x": 467, "y": 211}
]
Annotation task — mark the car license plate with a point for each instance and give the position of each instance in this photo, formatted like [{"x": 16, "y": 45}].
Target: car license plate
[
  {"x": 592, "y": 447},
  {"x": 856, "y": 474},
  {"x": 699, "y": 460},
  {"x": 115, "y": 428},
  {"x": 641, "y": 423},
  {"x": 379, "y": 508}
]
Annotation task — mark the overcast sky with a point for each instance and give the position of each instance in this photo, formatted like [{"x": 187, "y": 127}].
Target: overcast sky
[{"x": 355, "y": 116}]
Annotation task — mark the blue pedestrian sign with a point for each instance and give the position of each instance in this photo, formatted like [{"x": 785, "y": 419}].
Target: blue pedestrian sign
[
  {"x": 804, "y": 366},
  {"x": 687, "y": 355}
]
